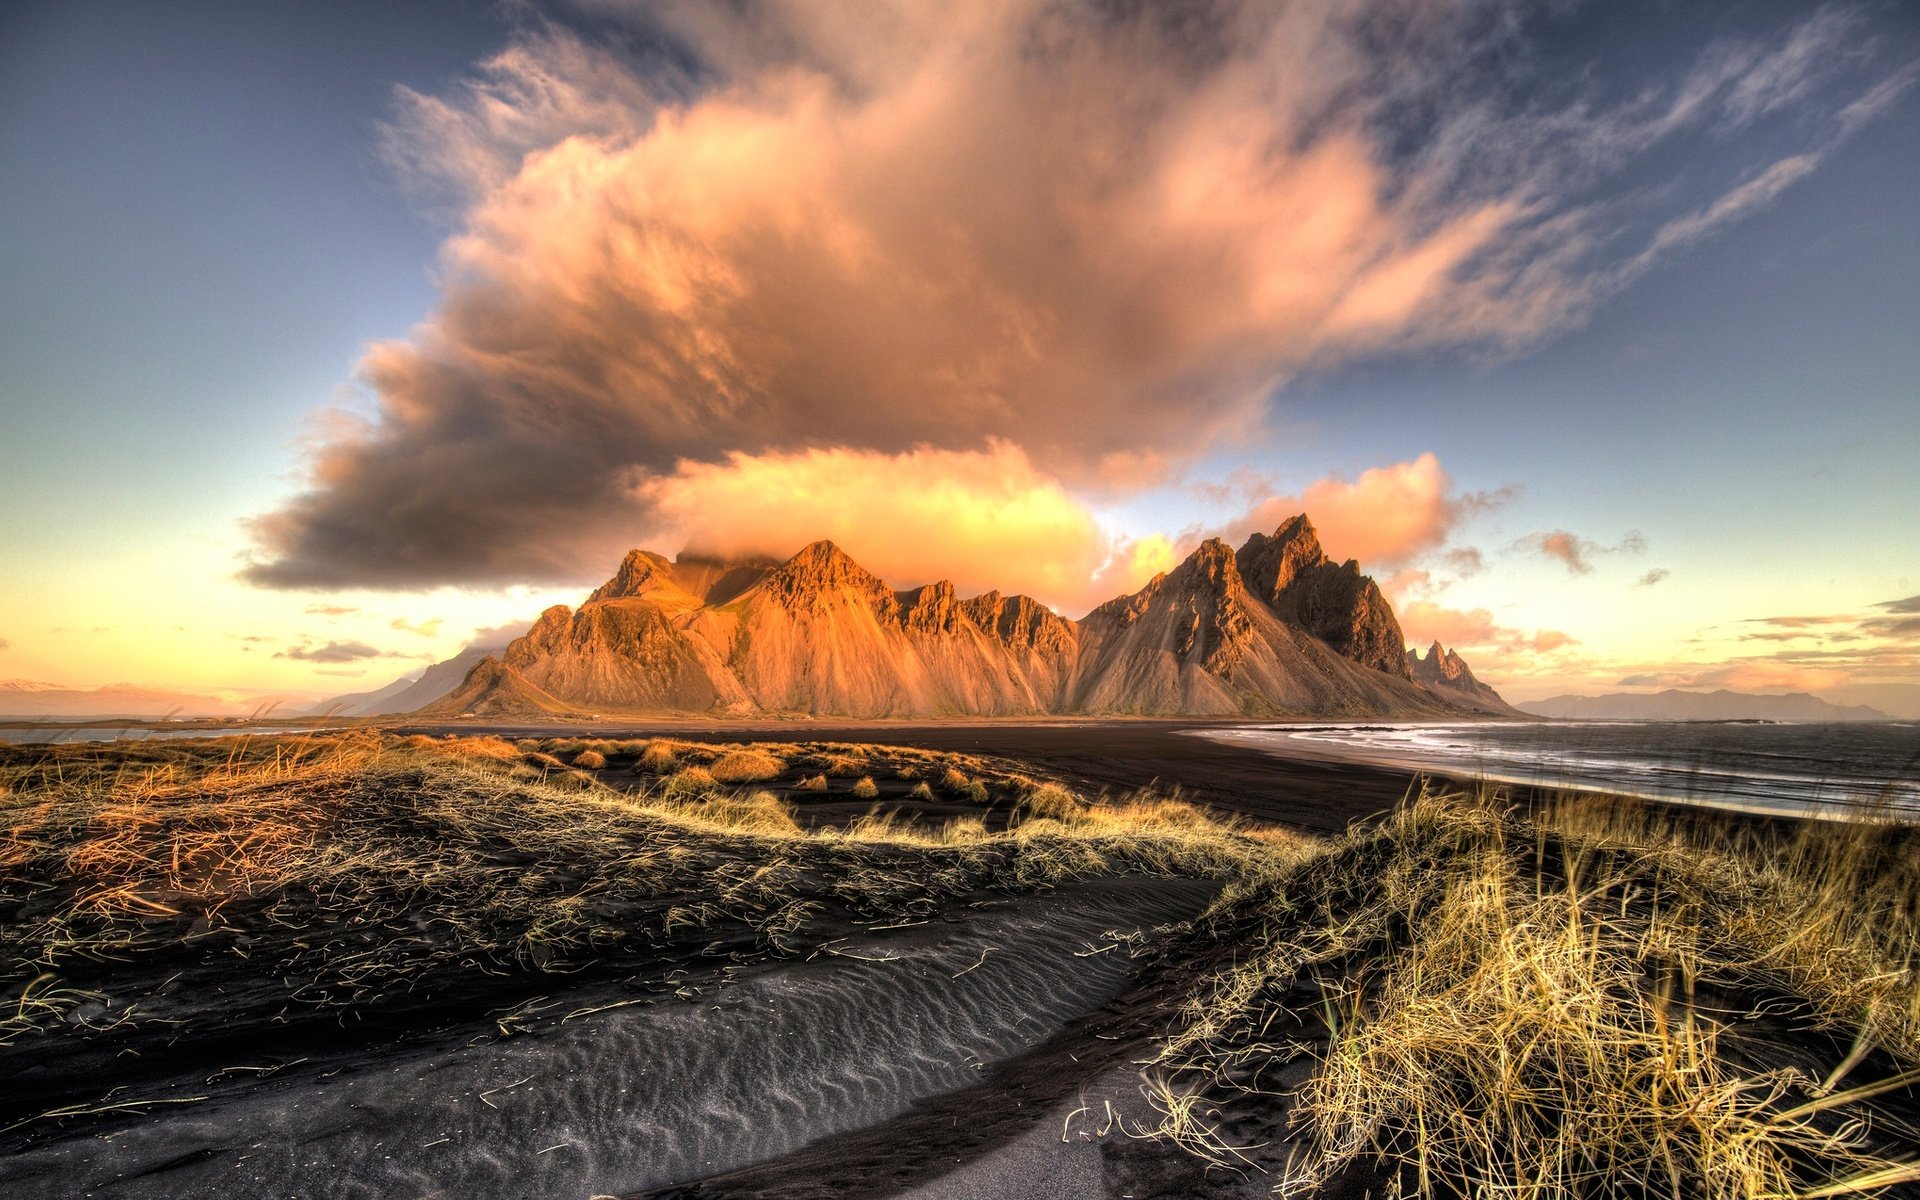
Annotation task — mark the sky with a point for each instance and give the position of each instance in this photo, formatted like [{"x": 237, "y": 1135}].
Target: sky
[{"x": 336, "y": 337}]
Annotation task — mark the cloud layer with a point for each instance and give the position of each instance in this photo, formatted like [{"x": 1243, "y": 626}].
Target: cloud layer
[
  {"x": 1073, "y": 243},
  {"x": 1383, "y": 518},
  {"x": 982, "y": 518},
  {"x": 333, "y": 652}
]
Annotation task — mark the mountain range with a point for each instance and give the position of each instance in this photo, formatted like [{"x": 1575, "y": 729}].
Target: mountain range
[
  {"x": 409, "y": 692},
  {"x": 1676, "y": 705},
  {"x": 1276, "y": 628},
  {"x": 26, "y": 698}
]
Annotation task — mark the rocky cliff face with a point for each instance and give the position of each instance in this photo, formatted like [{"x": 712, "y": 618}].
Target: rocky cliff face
[
  {"x": 1278, "y": 629},
  {"x": 1332, "y": 601},
  {"x": 1446, "y": 672},
  {"x": 1201, "y": 641}
]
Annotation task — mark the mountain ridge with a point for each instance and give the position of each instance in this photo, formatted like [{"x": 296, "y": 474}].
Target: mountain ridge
[
  {"x": 1677, "y": 704},
  {"x": 820, "y": 634}
]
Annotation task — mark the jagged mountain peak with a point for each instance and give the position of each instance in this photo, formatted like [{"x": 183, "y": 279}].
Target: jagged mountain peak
[
  {"x": 1440, "y": 661},
  {"x": 1293, "y": 574},
  {"x": 1445, "y": 670},
  {"x": 822, "y": 568},
  {"x": 1021, "y": 622},
  {"x": 932, "y": 608},
  {"x": 1212, "y": 560},
  {"x": 1298, "y": 530},
  {"x": 642, "y": 575},
  {"x": 1272, "y": 563},
  {"x": 819, "y": 633}
]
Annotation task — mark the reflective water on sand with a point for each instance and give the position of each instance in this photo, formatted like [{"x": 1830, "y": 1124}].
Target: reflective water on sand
[{"x": 1792, "y": 769}]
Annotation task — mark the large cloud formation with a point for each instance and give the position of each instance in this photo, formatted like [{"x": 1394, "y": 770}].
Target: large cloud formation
[
  {"x": 985, "y": 519},
  {"x": 709, "y": 245}
]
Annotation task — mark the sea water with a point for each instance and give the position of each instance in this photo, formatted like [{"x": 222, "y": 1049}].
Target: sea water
[
  {"x": 108, "y": 732},
  {"x": 1819, "y": 769}
]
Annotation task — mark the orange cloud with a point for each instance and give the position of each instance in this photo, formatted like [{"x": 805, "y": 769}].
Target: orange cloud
[
  {"x": 985, "y": 519},
  {"x": 1386, "y": 516},
  {"x": 1424, "y": 621}
]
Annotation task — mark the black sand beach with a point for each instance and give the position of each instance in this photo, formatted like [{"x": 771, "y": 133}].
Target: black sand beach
[
  {"x": 544, "y": 992},
  {"x": 1317, "y": 794}
]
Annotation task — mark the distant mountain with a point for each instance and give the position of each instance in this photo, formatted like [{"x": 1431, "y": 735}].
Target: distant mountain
[
  {"x": 1676, "y": 705},
  {"x": 412, "y": 691},
  {"x": 1277, "y": 629},
  {"x": 29, "y": 698},
  {"x": 492, "y": 689}
]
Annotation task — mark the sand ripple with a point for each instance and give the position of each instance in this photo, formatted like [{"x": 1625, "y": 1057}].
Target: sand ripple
[{"x": 643, "y": 1096}]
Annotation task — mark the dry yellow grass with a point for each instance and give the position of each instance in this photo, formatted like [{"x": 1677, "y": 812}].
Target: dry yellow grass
[
  {"x": 1522, "y": 1007},
  {"x": 355, "y": 870},
  {"x": 747, "y": 766},
  {"x": 1509, "y": 1005},
  {"x": 689, "y": 781},
  {"x": 658, "y": 757}
]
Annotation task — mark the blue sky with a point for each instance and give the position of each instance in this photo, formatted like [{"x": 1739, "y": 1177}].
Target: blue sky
[{"x": 216, "y": 209}]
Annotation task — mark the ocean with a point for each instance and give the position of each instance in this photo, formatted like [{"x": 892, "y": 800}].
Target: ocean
[
  {"x": 107, "y": 731},
  {"x": 1793, "y": 769}
]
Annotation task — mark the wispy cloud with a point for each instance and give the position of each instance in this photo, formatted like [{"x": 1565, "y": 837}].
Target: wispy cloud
[
  {"x": 1812, "y": 651},
  {"x": 1772, "y": 80},
  {"x": 1756, "y": 192},
  {"x": 1746, "y": 675},
  {"x": 1499, "y": 647},
  {"x": 334, "y": 652},
  {"x": 1878, "y": 98},
  {"x": 1577, "y": 553},
  {"x": 1657, "y": 575},
  {"x": 1464, "y": 561}
]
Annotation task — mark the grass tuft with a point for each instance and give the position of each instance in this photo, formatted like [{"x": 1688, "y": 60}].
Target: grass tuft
[
  {"x": 747, "y": 766},
  {"x": 1554, "y": 1006}
]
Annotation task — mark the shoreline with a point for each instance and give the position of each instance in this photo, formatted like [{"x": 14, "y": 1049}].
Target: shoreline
[{"x": 1313, "y": 787}]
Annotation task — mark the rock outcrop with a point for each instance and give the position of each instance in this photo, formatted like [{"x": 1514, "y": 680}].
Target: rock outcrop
[
  {"x": 1446, "y": 672},
  {"x": 493, "y": 689},
  {"x": 1332, "y": 601},
  {"x": 1276, "y": 630},
  {"x": 1200, "y": 641}
]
